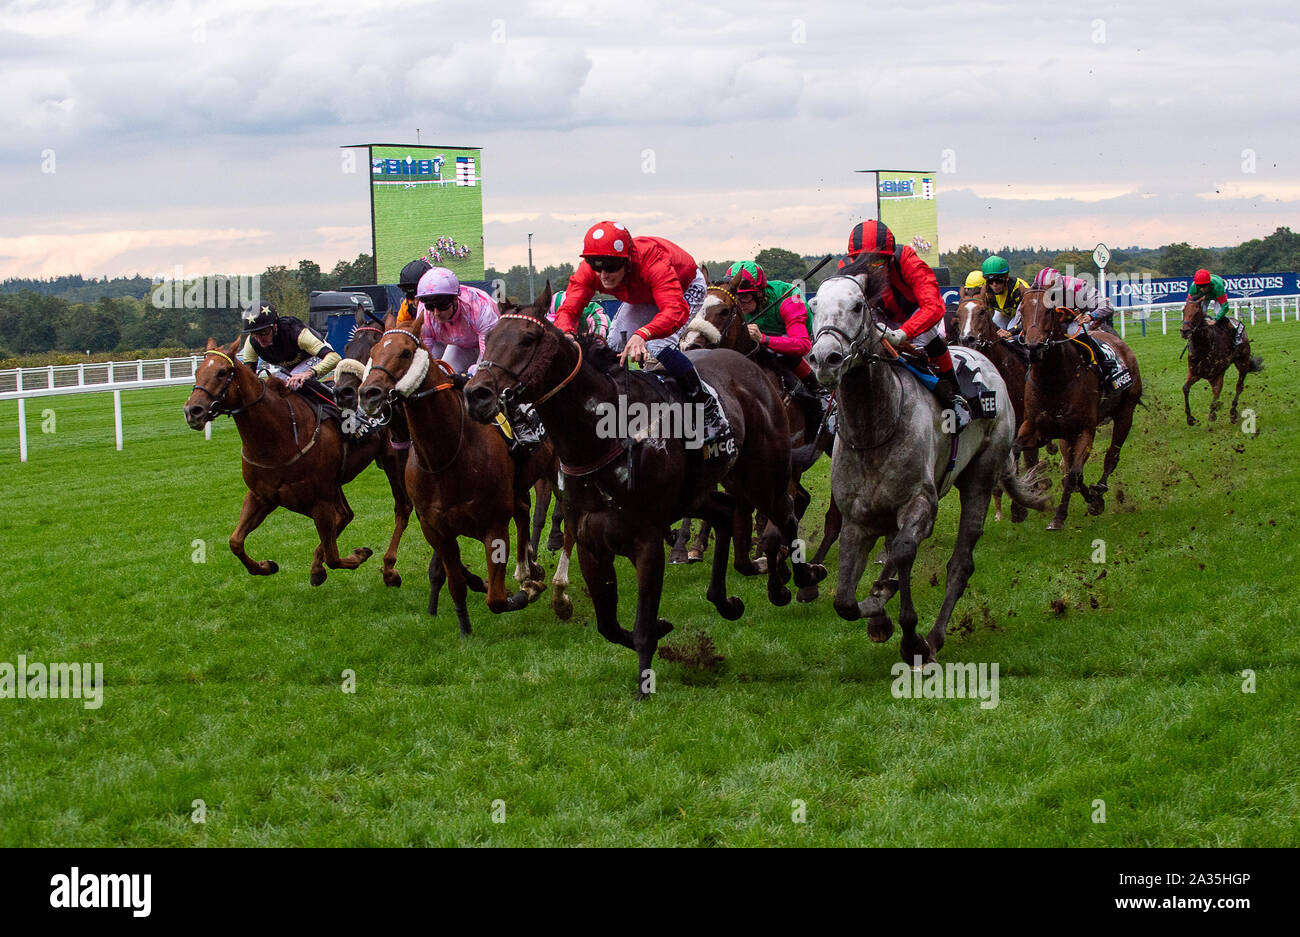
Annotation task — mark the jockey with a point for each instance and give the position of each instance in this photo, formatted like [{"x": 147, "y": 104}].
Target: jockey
[
  {"x": 662, "y": 288},
  {"x": 974, "y": 285},
  {"x": 1205, "y": 286},
  {"x": 287, "y": 342},
  {"x": 593, "y": 312},
  {"x": 1002, "y": 295},
  {"x": 912, "y": 305},
  {"x": 777, "y": 319},
  {"x": 409, "y": 280},
  {"x": 1091, "y": 306}
]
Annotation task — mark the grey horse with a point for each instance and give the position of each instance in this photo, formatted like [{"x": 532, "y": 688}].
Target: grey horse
[{"x": 890, "y": 466}]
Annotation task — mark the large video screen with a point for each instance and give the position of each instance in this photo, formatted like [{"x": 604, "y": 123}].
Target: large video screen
[
  {"x": 427, "y": 201},
  {"x": 905, "y": 201}
]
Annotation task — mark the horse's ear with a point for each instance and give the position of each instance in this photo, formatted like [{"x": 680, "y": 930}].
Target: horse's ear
[
  {"x": 543, "y": 305},
  {"x": 390, "y": 321},
  {"x": 735, "y": 281},
  {"x": 705, "y": 270},
  {"x": 417, "y": 325},
  {"x": 234, "y": 346},
  {"x": 211, "y": 345}
]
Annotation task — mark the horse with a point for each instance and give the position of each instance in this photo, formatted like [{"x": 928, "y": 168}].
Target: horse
[
  {"x": 719, "y": 324},
  {"x": 472, "y": 492},
  {"x": 1210, "y": 353},
  {"x": 975, "y": 328},
  {"x": 348, "y": 375},
  {"x": 894, "y": 460},
  {"x": 291, "y": 458},
  {"x": 1064, "y": 400},
  {"x": 624, "y": 489}
]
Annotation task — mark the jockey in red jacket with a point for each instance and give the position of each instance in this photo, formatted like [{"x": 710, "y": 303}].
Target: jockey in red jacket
[
  {"x": 661, "y": 287},
  {"x": 912, "y": 304}
]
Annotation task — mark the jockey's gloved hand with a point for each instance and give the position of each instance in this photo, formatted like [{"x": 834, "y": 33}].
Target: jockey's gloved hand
[{"x": 895, "y": 337}]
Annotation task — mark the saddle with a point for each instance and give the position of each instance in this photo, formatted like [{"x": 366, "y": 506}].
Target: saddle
[
  {"x": 355, "y": 425},
  {"x": 528, "y": 432},
  {"x": 981, "y": 400}
]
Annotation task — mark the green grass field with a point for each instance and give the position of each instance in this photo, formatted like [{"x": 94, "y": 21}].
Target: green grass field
[{"x": 227, "y": 689}]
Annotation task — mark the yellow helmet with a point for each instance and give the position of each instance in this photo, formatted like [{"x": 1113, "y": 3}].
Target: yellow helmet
[{"x": 974, "y": 280}]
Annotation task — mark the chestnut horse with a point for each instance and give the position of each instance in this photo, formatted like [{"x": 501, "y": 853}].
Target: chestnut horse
[
  {"x": 1209, "y": 354},
  {"x": 719, "y": 324},
  {"x": 976, "y": 329},
  {"x": 347, "y": 379},
  {"x": 290, "y": 459},
  {"x": 460, "y": 474},
  {"x": 1063, "y": 399},
  {"x": 621, "y": 494}
]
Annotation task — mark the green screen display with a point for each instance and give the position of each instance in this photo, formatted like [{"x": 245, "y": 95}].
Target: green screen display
[
  {"x": 905, "y": 201},
  {"x": 427, "y": 201}
]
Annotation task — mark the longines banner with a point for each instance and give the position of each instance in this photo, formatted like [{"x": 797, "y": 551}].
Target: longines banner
[{"x": 1133, "y": 291}]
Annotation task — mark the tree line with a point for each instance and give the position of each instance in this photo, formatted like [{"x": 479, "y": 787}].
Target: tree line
[{"x": 76, "y": 314}]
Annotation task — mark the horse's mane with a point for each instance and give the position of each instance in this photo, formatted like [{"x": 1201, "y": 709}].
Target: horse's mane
[
  {"x": 598, "y": 353},
  {"x": 275, "y": 383},
  {"x": 877, "y": 277}
]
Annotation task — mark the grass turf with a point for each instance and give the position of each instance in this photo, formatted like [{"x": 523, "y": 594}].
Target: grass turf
[{"x": 225, "y": 688}]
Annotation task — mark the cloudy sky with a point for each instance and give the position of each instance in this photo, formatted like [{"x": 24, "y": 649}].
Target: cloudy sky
[{"x": 138, "y": 136}]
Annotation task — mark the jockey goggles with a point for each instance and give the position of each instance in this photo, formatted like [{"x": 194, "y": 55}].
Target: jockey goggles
[
  {"x": 441, "y": 301},
  {"x": 606, "y": 264}
]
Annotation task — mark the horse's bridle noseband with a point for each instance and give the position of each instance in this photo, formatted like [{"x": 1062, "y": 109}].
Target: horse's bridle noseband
[
  {"x": 857, "y": 345},
  {"x": 217, "y": 406},
  {"x": 511, "y": 394}
]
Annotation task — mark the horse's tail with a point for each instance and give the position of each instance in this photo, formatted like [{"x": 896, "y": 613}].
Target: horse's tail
[
  {"x": 1030, "y": 489},
  {"x": 1256, "y": 364}
]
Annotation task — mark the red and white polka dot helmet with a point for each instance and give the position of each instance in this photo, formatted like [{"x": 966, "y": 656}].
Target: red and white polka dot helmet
[{"x": 607, "y": 239}]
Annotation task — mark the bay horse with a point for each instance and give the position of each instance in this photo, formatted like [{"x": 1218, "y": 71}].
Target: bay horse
[
  {"x": 719, "y": 324},
  {"x": 975, "y": 328},
  {"x": 1064, "y": 399},
  {"x": 348, "y": 375},
  {"x": 621, "y": 494},
  {"x": 1210, "y": 353},
  {"x": 290, "y": 459},
  {"x": 894, "y": 460},
  {"x": 461, "y": 476}
]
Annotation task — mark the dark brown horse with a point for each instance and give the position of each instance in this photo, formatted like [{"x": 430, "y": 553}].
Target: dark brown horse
[
  {"x": 1064, "y": 400},
  {"x": 291, "y": 459},
  {"x": 624, "y": 487},
  {"x": 1210, "y": 353},
  {"x": 976, "y": 329},
  {"x": 461, "y": 476},
  {"x": 720, "y": 324},
  {"x": 347, "y": 380}
]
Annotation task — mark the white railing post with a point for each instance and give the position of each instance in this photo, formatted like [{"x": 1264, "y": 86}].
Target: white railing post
[
  {"x": 167, "y": 369},
  {"x": 207, "y": 430},
  {"x": 117, "y": 418},
  {"x": 22, "y": 421},
  {"x": 1121, "y": 323},
  {"x": 139, "y": 369},
  {"x": 81, "y": 374},
  {"x": 1164, "y": 320},
  {"x": 1268, "y": 314},
  {"x": 50, "y": 372}
]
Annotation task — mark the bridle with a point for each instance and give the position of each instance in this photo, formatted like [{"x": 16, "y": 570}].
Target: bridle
[
  {"x": 393, "y": 394},
  {"x": 857, "y": 346},
  {"x": 1059, "y": 314},
  {"x": 217, "y": 405},
  {"x": 512, "y": 394}
]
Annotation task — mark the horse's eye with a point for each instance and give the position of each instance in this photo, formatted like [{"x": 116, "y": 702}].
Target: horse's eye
[
  {"x": 406, "y": 353},
  {"x": 527, "y": 338}
]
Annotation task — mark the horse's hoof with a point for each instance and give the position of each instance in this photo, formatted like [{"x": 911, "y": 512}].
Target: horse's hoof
[
  {"x": 535, "y": 571},
  {"x": 1055, "y": 524},
  {"x": 1096, "y": 507},
  {"x": 362, "y": 554},
  {"x": 433, "y": 608},
  {"x": 694, "y": 556},
  {"x": 730, "y": 608},
  {"x": 662, "y": 627},
  {"x": 678, "y": 558},
  {"x": 562, "y": 605},
  {"x": 779, "y": 597},
  {"x": 807, "y": 594},
  {"x": 318, "y": 577},
  {"x": 1232, "y": 417},
  {"x": 555, "y": 542},
  {"x": 1019, "y": 514},
  {"x": 916, "y": 647},
  {"x": 1191, "y": 421},
  {"x": 392, "y": 578},
  {"x": 880, "y": 628},
  {"x": 849, "y": 611},
  {"x": 270, "y": 568}
]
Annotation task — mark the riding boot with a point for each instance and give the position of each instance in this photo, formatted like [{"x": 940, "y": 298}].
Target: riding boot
[
  {"x": 1107, "y": 366},
  {"x": 717, "y": 432},
  {"x": 946, "y": 390},
  {"x": 817, "y": 406}
]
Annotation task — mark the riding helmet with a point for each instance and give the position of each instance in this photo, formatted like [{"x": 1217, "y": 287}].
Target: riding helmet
[
  {"x": 974, "y": 280},
  {"x": 607, "y": 239},
  {"x": 438, "y": 281},
  {"x": 752, "y": 277},
  {"x": 1202, "y": 277},
  {"x": 258, "y": 316},
  {"x": 409, "y": 278},
  {"x": 995, "y": 266},
  {"x": 1046, "y": 277},
  {"x": 870, "y": 237}
]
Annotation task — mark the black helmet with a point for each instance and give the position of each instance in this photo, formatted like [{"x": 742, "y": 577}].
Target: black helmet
[
  {"x": 411, "y": 273},
  {"x": 258, "y": 316}
]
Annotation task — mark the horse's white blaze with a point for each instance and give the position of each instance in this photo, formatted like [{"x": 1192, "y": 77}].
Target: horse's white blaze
[
  {"x": 968, "y": 323},
  {"x": 839, "y": 304}
]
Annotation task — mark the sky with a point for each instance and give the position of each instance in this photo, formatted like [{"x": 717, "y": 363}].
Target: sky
[{"x": 141, "y": 136}]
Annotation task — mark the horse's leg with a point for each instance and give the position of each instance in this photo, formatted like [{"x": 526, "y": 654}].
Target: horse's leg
[
  {"x": 556, "y": 538},
  {"x": 602, "y": 583},
  {"x": 1243, "y": 368},
  {"x": 1119, "y": 432},
  {"x": 718, "y": 513},
  {"x": 342, "y": 517},
  {"x": 543, "y": 491},
  {"x": 527, "y": 572},
  {"x": 437, "y": 577},
  {"x": 1217, "y": 386},
  {"x": 915, "y": 521},
  {"x": 1074, "y": 453},
  {"x": 997, "y": 503},
  {"x": 1187, "y": 402},
  {"x": 678, "y": 555},
  {"x": 855, "y": 551},
  {"x": 974, "y": 489},
  {"x": 251, "y": 515},
  {"x": 701, "y": 542},
  {"x": 831, "y": 525},
  {"x": 448, "y": 547},
  {"x": 742, "y": 539},
  {"x": 395, "y": 470},
  {"x": 561, "y": 604},
  {"x": 648, "y": 557},
  {"x": 494, "y": 545}
]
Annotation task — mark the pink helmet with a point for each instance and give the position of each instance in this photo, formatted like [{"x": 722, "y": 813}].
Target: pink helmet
[
  {"x": 1046, "y": 277},
  {"x": 438, "y": 281}
]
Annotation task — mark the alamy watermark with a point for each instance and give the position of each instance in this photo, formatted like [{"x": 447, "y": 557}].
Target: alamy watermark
[
  {"x": 626, "y": 419},
  {"x": 53, "y": 681},
  {"x": 204, "y": 292},
  {"x": 946, "y": 681}
]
